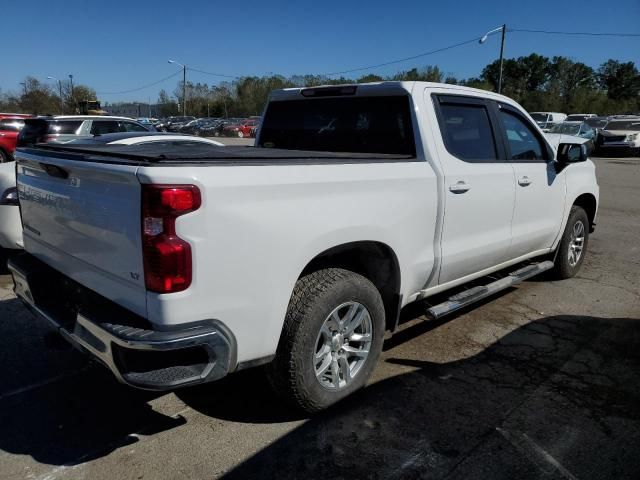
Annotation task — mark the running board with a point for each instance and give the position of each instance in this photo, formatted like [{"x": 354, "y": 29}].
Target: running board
[{"x": 461, "y": 300}]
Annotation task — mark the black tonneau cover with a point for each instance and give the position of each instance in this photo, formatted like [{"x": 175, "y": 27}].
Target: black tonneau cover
[{"x": 168, "y": 154}]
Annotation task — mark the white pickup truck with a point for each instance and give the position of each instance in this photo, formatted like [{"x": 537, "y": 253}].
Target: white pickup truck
[{"x": 177, "y": 266}]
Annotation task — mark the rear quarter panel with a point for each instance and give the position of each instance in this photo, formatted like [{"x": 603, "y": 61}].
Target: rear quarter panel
[{"x": 259, "y": 226}]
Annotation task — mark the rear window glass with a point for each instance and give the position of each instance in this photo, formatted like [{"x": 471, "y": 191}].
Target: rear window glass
[
  {"x": 11, "y": 125},
  {"x": 354, "y": 125},
  {"x": 64, "y": 127}
]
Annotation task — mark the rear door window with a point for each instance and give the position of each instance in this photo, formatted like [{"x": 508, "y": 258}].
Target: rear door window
[
  {"x": 131, "y": 127},
  {"x": 466, "y": 130},
  {"x": 346, "y": 124},
  {"x": 101, "y": 127}
]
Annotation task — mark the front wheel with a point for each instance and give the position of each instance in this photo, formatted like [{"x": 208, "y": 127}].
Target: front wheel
[
  {"x": 573, "y": 245},
  {"x": 331, "y": 340},
  {"x": 4, "y": 156}
]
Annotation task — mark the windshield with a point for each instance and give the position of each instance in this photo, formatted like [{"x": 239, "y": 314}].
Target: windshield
[
  {"x": 539, "y": 117},
  {"x": 633, "y": 125},
  {"x": 355, "y": 125},
  {"x": 566, "y": 129},
  {"x": 576, "y": 118}
]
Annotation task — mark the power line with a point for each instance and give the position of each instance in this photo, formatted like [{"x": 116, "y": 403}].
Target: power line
[
  {"x": 141, "y": 88},
  {"x": 391, "y": 62},
  {"x": 438, "y": 50},
  {"x": 592, "y": 34},
  {"x": 213, "y": 74}
]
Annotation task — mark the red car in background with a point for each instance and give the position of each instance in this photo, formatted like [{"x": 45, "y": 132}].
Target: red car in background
[
  {"x": 10, "y": 126},
  {"x": 244, "y": 129}
]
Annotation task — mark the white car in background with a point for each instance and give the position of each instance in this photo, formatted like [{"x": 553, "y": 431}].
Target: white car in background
[
  {"x": 620, "y": 136},
  {"x": 10, "y": 226},
  {"x": 10, "y": 223}
]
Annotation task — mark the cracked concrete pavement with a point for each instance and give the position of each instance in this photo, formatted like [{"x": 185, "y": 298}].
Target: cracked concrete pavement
[{"x": 542, "y": 381}]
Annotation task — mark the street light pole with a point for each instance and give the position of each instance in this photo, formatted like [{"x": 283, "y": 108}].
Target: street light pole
[
  {"x": 184, "y": 87},
  {"x": 60, "y": 90},
  {"x": 503, "y": 28}
]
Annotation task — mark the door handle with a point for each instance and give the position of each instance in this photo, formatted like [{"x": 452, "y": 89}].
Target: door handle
[
  {"x": 460, "y": 187},
  {"x": 524, "y": 181}
]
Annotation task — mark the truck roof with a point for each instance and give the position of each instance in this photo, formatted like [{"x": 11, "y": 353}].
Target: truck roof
[{"x": 378, "y": 89}]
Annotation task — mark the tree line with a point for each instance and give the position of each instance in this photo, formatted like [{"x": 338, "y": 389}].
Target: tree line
[{"x": 539, "y": 83}]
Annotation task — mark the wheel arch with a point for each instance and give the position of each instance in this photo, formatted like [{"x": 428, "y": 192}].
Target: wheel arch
[
  {"x": 375, "y": 261},
  {"x": 590, "y": 205}
]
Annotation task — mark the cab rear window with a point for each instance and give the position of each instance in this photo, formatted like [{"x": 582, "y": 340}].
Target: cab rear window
[
  {"x": 353, "y": 125},
  {"x": 64, "y": 127}
]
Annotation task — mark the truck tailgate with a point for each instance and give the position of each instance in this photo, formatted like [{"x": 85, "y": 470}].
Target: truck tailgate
[{"x": 83, "y": 219}]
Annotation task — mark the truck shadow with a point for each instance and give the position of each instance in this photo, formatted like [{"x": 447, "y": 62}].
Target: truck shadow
[
  {"x": 56, "y": 405},
  {"x": 562, "y": 377}
]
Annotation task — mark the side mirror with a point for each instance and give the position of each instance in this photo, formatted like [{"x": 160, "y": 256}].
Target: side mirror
[{"x": 572, "y": 153}]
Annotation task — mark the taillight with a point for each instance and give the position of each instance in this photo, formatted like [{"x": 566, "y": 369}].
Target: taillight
[{"x": 167, "y": 257}]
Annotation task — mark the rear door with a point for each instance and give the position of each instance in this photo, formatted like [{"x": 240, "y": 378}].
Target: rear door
[
  {"x": 540, "y": 190},
  {"x": 83, "y": 219},
  {"x": 479, "y": 187}
]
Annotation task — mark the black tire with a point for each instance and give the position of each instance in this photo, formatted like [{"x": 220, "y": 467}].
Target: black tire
[
  {"x": 4, "y": 156},
  {"x": 315, "y": 296},
  {"x": 563, "y": 268}
]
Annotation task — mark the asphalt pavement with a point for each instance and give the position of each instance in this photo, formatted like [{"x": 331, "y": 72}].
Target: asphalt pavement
[{"x": 539, "y": 382}]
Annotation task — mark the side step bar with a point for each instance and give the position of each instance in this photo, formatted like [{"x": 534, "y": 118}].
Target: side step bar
[{"x": 461, "y": 300}]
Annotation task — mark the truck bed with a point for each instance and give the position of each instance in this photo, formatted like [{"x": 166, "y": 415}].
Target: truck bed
[{"x": 176, "y": 154}]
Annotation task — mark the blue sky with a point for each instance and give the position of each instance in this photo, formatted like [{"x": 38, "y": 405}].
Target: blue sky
[{"x": 116, "y": 45}]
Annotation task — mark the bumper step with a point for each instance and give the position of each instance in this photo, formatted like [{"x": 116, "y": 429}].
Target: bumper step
[{"x": 475, "y": 294}]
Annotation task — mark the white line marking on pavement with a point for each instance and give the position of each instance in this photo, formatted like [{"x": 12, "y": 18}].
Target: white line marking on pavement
[
  {"x": 43, "y": 383},
  {"x": 535, "y": 452}
]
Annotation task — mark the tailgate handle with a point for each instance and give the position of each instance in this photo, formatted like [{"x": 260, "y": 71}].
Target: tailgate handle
[{"x": 54, "y": 170}]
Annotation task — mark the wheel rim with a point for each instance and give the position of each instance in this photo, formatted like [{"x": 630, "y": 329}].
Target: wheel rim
[
  {"x": 343, "y": 345},
  {"x": 576, "y": 243}
]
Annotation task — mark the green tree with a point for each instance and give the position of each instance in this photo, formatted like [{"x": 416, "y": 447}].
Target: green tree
[{"x": 620, "y": 80}]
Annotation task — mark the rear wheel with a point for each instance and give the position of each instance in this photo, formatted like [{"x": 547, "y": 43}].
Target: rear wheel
[
  {"x": 240, "y": 134},
  {"x": 4, "y": 156},
  {"x": 573, "y": 245},
  {"x": 331, "y": 340}
]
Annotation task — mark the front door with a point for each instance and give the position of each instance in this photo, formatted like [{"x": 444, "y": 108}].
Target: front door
[{"x": 540, "y": 190}]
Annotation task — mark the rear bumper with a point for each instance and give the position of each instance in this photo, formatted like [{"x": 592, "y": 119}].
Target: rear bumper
[{"x": 137, "y": 354}]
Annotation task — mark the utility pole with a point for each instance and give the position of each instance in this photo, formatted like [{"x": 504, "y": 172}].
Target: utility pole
[
  {"x": 73, "y": 98},
  {"x": 484, "y": 39},
  {"x": 504, "y": 31},
  {"x": 184, "y": 90}
]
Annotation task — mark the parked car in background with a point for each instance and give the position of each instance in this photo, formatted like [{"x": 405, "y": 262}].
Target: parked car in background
[
  {"x": 194, "y": 126},
  {"x": 138, "y": 138},
  {"x": 9, "y": 129},
  {"x": 620, "y": 136},
  {"x": 62, "y": 129},
  {"x": 176, "y": 123},
  {"x": 580, "y": 117},
  {"x": 559, "y": 133},
  {"x": 242, "y": 129},
  {"x": 149, "y": 123},
  {"x": 212, "y": 130},
  {"x": 546, "y": 120}
]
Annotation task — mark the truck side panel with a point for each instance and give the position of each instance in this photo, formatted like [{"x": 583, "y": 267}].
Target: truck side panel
[{"x": 259, "y": 227}]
